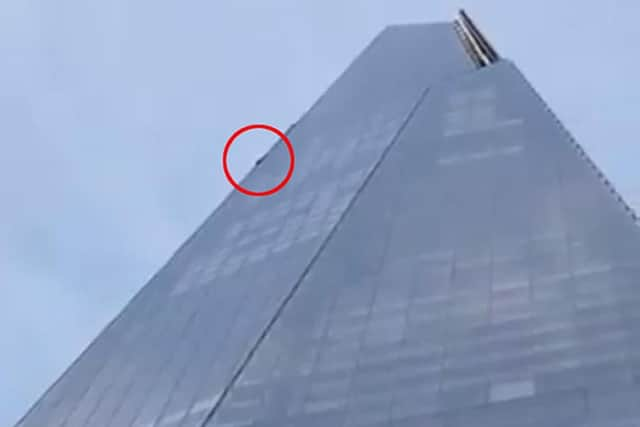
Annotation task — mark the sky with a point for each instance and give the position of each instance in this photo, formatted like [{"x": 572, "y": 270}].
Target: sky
[{"x": 113, "y": 117}]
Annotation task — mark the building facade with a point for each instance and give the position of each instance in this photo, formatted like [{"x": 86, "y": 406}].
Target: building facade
[{"x": 444, "y": 255}]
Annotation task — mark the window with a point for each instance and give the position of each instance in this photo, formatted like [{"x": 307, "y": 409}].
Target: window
[
  {"x": 512, "y": 390},
  {"x": 473, "y": 111}
]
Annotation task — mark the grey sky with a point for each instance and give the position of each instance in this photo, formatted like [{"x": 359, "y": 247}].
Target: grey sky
[{"x": 113, "y": 116}]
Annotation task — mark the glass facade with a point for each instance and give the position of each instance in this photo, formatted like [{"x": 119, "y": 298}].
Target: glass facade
[{"x": 444, "y": 255}]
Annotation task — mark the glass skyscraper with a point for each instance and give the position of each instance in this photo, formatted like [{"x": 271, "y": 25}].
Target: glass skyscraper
[{"x": 445, "y": 255}]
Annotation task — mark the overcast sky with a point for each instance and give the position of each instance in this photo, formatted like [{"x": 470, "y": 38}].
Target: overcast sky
[{"x": 113, "y": 116}]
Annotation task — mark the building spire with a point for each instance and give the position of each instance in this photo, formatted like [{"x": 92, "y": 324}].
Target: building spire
[{"x": 474, "y": 41}]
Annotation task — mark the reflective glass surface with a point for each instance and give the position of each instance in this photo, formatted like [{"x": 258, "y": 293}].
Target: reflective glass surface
[
  {"x": 170, "y": 355},
  {"x": 445, "y": 255},
  {"x": 486, "y": 275}
]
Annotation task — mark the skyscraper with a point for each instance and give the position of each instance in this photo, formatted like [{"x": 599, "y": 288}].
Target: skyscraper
[{"x": 444, "y": 255}]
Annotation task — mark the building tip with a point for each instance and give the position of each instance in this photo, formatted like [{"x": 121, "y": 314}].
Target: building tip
[{"x": 474, "y": 41}]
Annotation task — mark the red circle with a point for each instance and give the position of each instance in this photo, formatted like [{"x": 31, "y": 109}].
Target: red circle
[{"x": 246, "y": 191}]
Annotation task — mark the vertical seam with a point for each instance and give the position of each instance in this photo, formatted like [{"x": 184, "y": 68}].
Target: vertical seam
[{"x": 312, "y": 262}]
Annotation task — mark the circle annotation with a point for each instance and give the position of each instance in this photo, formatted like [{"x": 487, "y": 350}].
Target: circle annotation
[{"x": 284, "y": 139}]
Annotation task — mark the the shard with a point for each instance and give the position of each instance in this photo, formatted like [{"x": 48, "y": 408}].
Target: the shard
[{"x": 444, "y": 255}]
